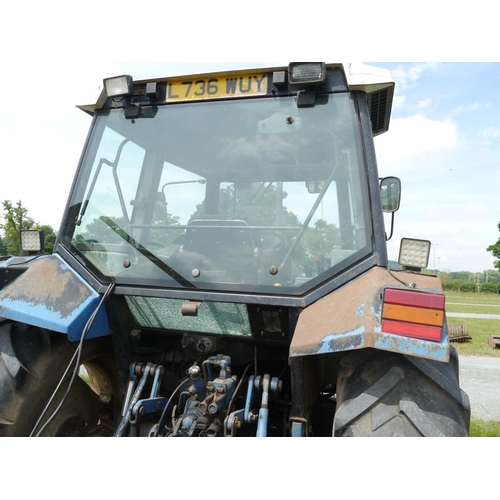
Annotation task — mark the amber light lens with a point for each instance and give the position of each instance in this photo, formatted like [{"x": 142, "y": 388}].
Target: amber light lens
[{"x": 413, "y": 314}]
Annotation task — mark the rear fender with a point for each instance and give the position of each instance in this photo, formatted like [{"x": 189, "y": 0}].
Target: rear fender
[
  {"x": 49, "y": 294},
  {"x": 350, "y": 318}
]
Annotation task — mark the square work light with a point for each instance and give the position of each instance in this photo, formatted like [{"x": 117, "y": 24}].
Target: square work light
[
  {"x": 414, "y": 254},
  {"x": 32, "y": 241}
]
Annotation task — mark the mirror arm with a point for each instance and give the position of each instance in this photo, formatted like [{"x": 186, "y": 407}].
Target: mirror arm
[{"x": 392, "y": 228}]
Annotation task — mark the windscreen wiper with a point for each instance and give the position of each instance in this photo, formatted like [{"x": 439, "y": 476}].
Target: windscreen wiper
[{"x": 149, "y": 255}]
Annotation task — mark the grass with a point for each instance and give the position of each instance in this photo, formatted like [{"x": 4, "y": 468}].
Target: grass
[
  {"x": 481, "y": 428},
  {"x": 473, "y": 298},
  {"x": 480, "y": 329},
  {"x": 473, "y": 308}
]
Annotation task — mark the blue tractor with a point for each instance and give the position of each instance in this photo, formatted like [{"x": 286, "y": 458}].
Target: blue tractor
[{"x": 221, "y": 270}]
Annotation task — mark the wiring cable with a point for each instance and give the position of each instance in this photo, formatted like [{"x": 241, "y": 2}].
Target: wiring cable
[
  {"x": 408, "y": 285},
  {"x": 74, "y": 360},
  {"x": 164, "y": 413}
]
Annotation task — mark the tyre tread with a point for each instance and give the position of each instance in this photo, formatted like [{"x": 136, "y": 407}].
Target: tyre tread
[
  {"x": 32, "y": 362},
  {"x": 385, "y": 394}
]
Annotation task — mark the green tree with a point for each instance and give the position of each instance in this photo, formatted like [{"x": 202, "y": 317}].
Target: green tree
[
  {"x": 98, "y": 231},
  {"x": 321, "y": 239},
  {"x": 49, "y": 237},
  {"x": 495, "y": 251},
  {"x": 15, "y": 219},
  {"x": 3, "y": 248}
]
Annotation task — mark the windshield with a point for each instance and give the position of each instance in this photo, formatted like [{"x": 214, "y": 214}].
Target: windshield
[{"x": 253, "y": 195}]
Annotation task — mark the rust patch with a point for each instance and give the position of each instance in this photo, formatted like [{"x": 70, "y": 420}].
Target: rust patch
[
  {"x": 354, "y": 308},
  {"x": 48, "y": 284}
]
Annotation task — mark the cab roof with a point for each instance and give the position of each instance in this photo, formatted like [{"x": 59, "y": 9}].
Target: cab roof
[{"x": 376, "y": 82}]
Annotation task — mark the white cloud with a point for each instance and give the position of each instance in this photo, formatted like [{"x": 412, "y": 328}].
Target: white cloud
[
  {"x": 491, "y": 132},
  {"x": 411, "y": 138},
  {"x": 424, "y": 103},
  {"x": 404, "y": 77},
  {"x": 437, "y": 204},
  {"x": 459, "y": 231},
  {"x": 464, "y": 108},
  {"x": 398, "y": 101}
]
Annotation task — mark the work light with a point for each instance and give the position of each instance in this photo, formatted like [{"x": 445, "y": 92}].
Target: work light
[
  {"x": 119, "y": 86},
  {"x": 414, "y": 254},
  {"x": 310, "y": 73},
  {"x": 31, "y": 241}
]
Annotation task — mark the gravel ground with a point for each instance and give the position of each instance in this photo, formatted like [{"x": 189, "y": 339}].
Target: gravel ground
[{"x": 480, "y": 379}]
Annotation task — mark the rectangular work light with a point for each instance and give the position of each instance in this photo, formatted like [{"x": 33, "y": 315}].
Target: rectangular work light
[
  {"x": 119, "y": 86},
  {"x": 414, "y": 254},
  {"x": 306, "y": 73}
]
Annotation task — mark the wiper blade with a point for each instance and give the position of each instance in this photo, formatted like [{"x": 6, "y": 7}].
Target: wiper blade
[{"x": 149, "y": 255}]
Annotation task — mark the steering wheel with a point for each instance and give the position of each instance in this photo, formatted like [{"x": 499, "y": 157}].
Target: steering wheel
[
  {"x": 273, "y": 242},
  {"x": 281, "y": 243}
]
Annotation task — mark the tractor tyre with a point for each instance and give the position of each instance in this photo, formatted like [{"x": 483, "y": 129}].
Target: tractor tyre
[
  {"x": 32, "y": 363},
  {"x": 386, "y": 394}
]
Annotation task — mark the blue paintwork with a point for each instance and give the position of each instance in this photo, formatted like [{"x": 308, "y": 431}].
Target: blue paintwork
[
  {"x": 297, "y": 429},
  {"x": 248, "y": 402},
  {"x": 360, "y": 311},
  {"x": 348, "y": 341},
  {"x": 58, "y": 310},
  {"x": 415, "y": 347},
  {"x": 364, "y": 336},
  {"x": 359, "y": 338}
]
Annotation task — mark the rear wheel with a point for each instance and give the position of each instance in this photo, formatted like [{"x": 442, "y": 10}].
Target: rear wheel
[
  {"x": 32, "y": 363},
  {"x": 386, "y": 394}
]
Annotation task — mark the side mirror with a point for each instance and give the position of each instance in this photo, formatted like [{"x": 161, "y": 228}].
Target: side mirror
[
  {"x": 315, "y": 187},
  {"x": 390, "y": 194}
]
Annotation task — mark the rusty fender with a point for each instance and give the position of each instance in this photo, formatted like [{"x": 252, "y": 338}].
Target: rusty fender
[
  {"x": 49, "y": 294},
  {"x": 350, "y": 318}
]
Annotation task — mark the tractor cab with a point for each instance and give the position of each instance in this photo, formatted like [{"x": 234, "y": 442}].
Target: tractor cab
[{"x": 244, "y": 183}]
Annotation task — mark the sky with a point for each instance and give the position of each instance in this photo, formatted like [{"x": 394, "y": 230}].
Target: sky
[
  {"x": 444, "y": 136},
  {"x": 444, "y": 145}
]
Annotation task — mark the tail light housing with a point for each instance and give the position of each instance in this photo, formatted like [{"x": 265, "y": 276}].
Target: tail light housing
[{"x": 413, "y": 314}]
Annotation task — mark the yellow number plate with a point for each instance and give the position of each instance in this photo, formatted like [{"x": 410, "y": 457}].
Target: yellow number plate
[{"x": 217, "y": 87}]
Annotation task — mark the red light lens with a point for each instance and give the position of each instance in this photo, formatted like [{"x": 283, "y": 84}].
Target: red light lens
[{"x": 413, "y": 314}]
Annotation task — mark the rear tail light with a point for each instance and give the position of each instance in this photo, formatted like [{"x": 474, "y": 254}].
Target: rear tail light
[{"x": 413, "y": 314}]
